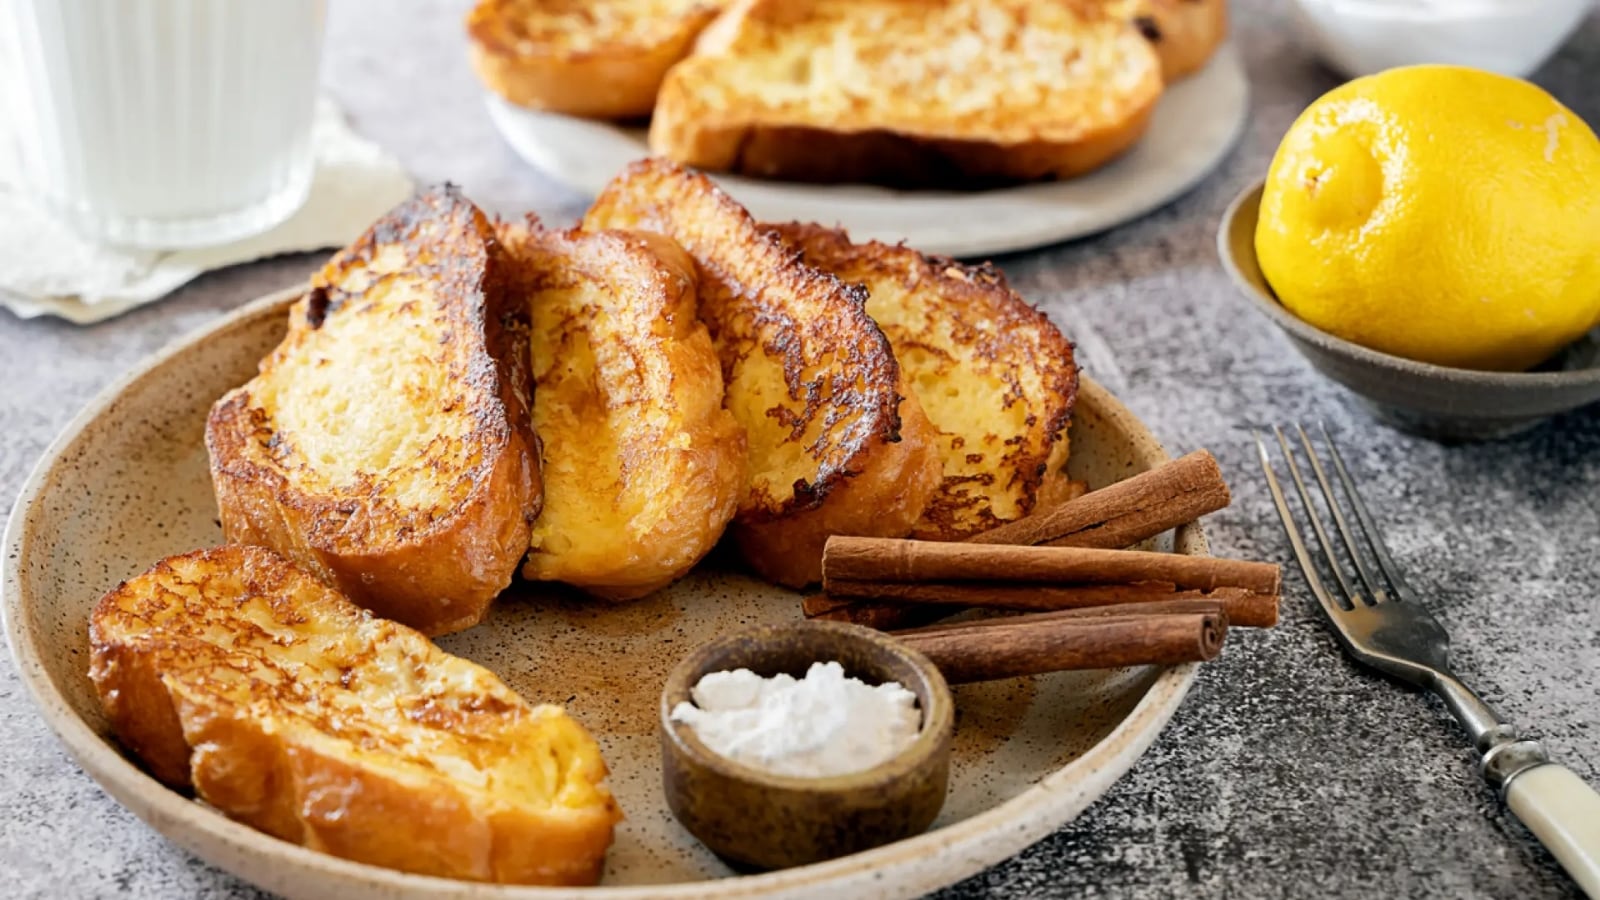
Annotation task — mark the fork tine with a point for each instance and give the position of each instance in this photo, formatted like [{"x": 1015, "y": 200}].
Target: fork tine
[
  {"x": 1330, "y": 606},
  {"x": 1316, "y": 522},
  {"x": 1369, "y": 528},
  {"x": 1374, "y": 587}
]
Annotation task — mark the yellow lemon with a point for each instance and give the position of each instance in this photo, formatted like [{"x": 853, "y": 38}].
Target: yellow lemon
[{"x": 1438, "y": 213}]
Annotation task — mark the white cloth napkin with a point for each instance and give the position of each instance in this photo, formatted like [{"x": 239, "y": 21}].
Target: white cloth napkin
[{"x": 46, "y": 269}]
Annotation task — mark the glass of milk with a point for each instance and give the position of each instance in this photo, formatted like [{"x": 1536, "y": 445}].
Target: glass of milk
[{"x": 162, "y": 123}]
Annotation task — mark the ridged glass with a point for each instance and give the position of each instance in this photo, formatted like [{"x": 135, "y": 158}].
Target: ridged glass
[{"x": 163, "y": 123}]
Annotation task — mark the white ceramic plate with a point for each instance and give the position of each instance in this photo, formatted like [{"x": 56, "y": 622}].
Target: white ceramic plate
[
  {"x": 1194, "y": 126},
  {"x": 126, "y": 484}
]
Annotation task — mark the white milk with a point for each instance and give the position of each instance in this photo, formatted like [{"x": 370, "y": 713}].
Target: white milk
[{"x": 163, "y": 122}]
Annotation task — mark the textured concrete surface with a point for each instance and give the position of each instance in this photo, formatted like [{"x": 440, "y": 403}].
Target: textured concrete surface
[{"x": 1288, "y": 772}]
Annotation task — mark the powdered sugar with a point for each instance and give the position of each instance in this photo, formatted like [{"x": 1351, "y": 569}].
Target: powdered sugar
[{"x": 822, "y": 724}]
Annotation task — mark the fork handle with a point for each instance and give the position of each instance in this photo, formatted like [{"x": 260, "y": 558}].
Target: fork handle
[{"x": 1563, "y": 812}]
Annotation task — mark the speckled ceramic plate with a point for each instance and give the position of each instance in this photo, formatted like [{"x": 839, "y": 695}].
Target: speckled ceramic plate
[
  {"x": 1196, "y": 122},
  {"x": 126, "y": 484}
]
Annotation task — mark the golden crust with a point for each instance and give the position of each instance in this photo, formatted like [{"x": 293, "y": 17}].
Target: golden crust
[
  {"x": 817, "y": 90},
  {"x": 808, "y": 374},
  {"x": 385, "y": 444},
  {"x": 643, "y": 468},
  {"x": 291, "y": 709},
  {"x": 881, "y": 157},
  {"x": 994, "y": 375},
  {"x": 602, "y": 59},
  {"x": 1184, "y": 33}
]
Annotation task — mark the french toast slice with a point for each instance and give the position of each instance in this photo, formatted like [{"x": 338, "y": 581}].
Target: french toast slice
[
  {"x": 642, "y": 467},
  {"x": 601, "y": 59},
  {"x": 994, "y": 375},
  {"x": 385, "y": 444},
  {"x": 281, "y": 703},
  {"x": 1184, "y": 33},
  {"x": 909, "y": 92},
  {"x": 837, "y": 442}
]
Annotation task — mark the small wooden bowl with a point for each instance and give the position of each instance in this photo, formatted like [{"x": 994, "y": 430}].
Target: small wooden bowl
[{"x": 758, "y": 820}]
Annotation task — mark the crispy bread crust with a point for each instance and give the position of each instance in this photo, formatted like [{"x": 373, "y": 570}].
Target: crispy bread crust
[
  {"x": 1184, "y": 33},
  {"x": 435, "y": 570},
  {"x": 695, "y": 138},
  {"x": 628, "y": 406},
  {"x": 617, "y": 79},
  {"x": 745, "y": 133},
  {"x": 893, "y": 485},
  {"x": 864, "y": 464},
  {"x": 947, "y": 322},
  {"x": 190, "y": 664}
]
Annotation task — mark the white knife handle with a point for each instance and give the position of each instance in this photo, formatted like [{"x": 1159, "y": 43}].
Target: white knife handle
[{"x": 1564, "y": 813}]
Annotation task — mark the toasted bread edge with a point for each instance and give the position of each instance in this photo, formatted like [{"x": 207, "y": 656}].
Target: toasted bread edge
[
  {"x": 1042, "y": 474},
  {"x": 883, "y": 478},
  {"x": 705, "y": 466},
  {"x": 437, "y": 580},
  {"x": 307, "y": 796},
  {"x": 614, "y": 81}
]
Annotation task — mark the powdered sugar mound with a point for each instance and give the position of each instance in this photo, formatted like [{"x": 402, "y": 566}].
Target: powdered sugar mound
[{"x": 822, "y": 724}]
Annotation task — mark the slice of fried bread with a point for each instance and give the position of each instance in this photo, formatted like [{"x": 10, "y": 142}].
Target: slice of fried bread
[
  {"x": 995, "y": 376},
  {"x": 909, "y": 92},
  {"x": 1184, "y": 33},
  {"x": 602, "y": 59},
  {"x": 386, "y": 444},
  {"x": 837, "y": 443},
  {"x": 643, "y": 467},
  {"x": 291, "y": 709}
]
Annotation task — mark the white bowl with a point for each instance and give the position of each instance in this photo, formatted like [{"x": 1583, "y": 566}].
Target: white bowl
[{"x": 1512, "y": 37}]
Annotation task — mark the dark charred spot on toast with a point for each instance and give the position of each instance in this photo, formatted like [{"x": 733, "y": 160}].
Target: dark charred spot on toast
[
  {"x": 318, "y": 306},
  {"x": 424, "y": 211},
  {"x": 1147, "y": 26}
]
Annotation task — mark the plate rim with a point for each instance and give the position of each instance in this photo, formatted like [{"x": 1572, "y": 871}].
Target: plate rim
[
  {"x": 1226, "y": 62},
  {"x": 957, "y": 850}
]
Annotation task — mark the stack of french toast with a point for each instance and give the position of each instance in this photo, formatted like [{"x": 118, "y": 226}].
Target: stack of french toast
[
  {"x": 457, "y": 401},
  {"x": 945, "y": 93}
]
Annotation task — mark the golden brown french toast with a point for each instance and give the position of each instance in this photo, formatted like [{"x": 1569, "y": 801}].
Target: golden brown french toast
[
  {"x": 386, "y": 444},
  {"x": 1184, "y": 33},
  {"x": 602, "y": 59},
  {"x": 909, "y": 92},
  {"x": 995, "y": 376},
  {"x": 837, "y": 442},
  {"x": 284, "y": 705},
  {"x": 643, "y": 468}
]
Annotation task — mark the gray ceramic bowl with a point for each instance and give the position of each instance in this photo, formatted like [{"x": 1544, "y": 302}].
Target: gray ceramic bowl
[
  {"x": 1434, "y": 401},
  {"x": 763, "y": 821}
]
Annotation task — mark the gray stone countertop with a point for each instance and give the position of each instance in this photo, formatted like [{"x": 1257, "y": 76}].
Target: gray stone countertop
[{"x": 1287, "y": 772}]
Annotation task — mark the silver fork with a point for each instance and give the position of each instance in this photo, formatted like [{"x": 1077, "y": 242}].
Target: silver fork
[{"x": 1389, "y": 630}]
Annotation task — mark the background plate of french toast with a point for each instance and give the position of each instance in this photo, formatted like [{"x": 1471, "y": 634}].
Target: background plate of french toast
[
  {"x": 967, "y": 128},
  {"x": 370, "y": 589}
]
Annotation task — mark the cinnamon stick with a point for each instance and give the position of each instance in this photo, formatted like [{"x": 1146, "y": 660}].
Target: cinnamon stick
[
  {"x": 885, "y": 616},
  {"x": 891, "y": 560},
  {"x": 1158, "y": 608},
  {"x": 1030, "y": 645},
  {"x": 1118, "y": 515},
  {"x": 1126, "y": 512},
  {"x": 1245, "y": 608}
]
